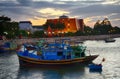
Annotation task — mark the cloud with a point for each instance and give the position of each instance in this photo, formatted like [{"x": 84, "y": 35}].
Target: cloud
[
  {"x": 37, "y": 21},
  {"x": 90, "y": 11},
  {"x": 52, "y": 11}
]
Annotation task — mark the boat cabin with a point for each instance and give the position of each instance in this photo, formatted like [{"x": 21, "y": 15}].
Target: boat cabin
[{"x": 57, "y": 51}]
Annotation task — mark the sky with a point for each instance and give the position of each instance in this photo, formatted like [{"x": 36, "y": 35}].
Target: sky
[{"x": 37, "y": 11}]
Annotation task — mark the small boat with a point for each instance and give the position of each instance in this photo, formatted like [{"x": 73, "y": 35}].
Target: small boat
[
  {"x": 8, "y": 46},
  {"x": 95, "y": 67},
  {"x": 109, "y": 40},
  {"x": 57, "y": 53}
]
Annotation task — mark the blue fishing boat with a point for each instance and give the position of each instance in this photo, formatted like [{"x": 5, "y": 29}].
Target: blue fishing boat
[
  {"x": 8, "y": 46},
  {"x": 57, "y": 53},
  {"x": 95, "y": 67}
]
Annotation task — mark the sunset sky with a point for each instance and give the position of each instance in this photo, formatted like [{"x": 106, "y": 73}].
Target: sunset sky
[{"x": 37, "y": 11}]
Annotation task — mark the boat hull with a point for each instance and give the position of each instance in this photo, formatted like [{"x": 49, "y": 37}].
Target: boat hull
[
  {"x": 26, "y": 61},
  {"x": 109, "y": 40}
]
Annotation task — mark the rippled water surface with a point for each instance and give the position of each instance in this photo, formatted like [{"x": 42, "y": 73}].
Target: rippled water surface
[{"x": 9, "y": 65}]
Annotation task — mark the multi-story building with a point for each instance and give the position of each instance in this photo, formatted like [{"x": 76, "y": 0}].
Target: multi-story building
[
  {"x": 26, "y": 25},
  {"x": 71, "y": 24}
]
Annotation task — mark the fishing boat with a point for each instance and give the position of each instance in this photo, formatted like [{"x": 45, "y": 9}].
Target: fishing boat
[
  {"x": 57, "y": 53},
  {"x": 8, "y": 46},
  {"x": 109, "y": 40},
  {"x": 95, "y": 67}
]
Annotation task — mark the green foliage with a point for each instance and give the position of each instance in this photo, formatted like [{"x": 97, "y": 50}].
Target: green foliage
[
  {"x": 47, "y": 24},
  {"x": 69, "y": 34},
  {"x": 102, "y": 29},
  {"x": 88, "y": 30},
  {"x": 22, "y": 32},
  {"x": 79, "y": 33},
  {"x": 38, "y": 34},
  {"x": 7, "y": 27},
  {"x": 58, "y": 25},
  {"x": 115, "y": 30},
  {"x": 4, "y": 19}
]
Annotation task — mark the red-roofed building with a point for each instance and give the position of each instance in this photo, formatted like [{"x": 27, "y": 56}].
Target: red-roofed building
[{"x": 71, "y": 24}]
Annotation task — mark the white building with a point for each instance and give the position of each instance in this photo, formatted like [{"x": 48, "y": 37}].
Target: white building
[
  {"x": 25, "y": 25},
  {"x": 38, "y": 28}
]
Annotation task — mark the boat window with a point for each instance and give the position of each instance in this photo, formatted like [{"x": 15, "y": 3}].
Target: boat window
[{"x": 59, "y": 53}]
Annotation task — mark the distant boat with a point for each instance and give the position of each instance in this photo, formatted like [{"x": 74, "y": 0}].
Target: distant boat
[
  {"x": 110, "y": 40},
  {"x": 58, "y": 53},
  {"x": 8, "y": 46}
]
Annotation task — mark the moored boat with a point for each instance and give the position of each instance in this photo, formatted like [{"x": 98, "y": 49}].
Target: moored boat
[
  {"x": 58, "y": 53},
  {"x": 109, "y": 40},
  {"x": 8, "y": 46},
  {"x": 95, "y": 67}
]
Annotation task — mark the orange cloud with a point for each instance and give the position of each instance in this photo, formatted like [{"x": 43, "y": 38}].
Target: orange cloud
[
  {"x": 52, "y": 11},
  {"x": 40, "y": 21},
  {"x": 89, "y": 22}
]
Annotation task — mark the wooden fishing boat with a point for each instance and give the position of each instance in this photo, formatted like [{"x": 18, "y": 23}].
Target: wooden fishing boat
[
  {"x": 55, "y": 54},
  {"x": 110, "y": 40},
  {"x": 8, "y": 46}
]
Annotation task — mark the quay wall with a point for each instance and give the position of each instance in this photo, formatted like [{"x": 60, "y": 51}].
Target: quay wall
[{"x": 74, "y": 38}]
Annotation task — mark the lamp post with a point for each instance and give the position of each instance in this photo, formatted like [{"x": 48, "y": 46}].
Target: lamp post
[
  {"x": 28, "y": 34},
  {"x": 45, "y": 33}
]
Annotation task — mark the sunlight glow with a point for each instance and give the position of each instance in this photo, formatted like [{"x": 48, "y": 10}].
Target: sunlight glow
[
  {"x": 52, "y": 12},
  {"x": 88, "y": 21},
  {"x": 109, "y": 2},
  {"x": 37, "y": 21}
]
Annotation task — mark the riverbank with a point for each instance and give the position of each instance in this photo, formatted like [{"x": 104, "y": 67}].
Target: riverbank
[{"x": 74, "y": 38}]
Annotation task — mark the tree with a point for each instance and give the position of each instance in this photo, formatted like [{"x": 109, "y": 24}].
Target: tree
[
  {"x": 79, "y": 33},
  {"x": 38, "y": 34},
  {"x": 54, "y": 26},
  {"x": 88, "y": 30},
  {"x": 69, "y": 34},
  {"x": 60, "y": 25},
  {"x": 3, "y": 24},
  {"x": 4, "y": 19},
  {"x": 102, "y": 28},
  {"x": 22, "y": 33},
  {"x": 7, "y": 27},
  {"x": 47, "y": 24},
  {"x": 115, "y": 30}
]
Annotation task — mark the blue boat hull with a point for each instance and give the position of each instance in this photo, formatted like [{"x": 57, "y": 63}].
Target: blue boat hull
[
  {"x": 27, "y": 61},
  {"x": 95, "y": 68}
]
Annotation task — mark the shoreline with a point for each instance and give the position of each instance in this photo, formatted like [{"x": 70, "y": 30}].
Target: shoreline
[{"x": 73, "y": 38}]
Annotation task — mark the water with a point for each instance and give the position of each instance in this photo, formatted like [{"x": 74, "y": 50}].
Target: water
[{"x": 9, "y": 66}]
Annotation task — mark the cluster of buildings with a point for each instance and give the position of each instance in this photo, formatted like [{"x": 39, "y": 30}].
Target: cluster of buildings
[{"x": 71, "y": 25}]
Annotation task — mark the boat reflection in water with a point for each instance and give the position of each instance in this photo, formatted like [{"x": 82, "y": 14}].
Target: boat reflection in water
[{"x": 57, "y": 53}]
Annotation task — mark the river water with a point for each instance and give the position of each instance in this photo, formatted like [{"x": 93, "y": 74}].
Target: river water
[{"x": 9, "y": 65}]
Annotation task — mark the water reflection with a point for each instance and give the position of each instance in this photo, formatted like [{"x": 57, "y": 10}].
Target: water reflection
[
  {"x": 50, "y": 72},
  {"x": 9, "y": 65}
]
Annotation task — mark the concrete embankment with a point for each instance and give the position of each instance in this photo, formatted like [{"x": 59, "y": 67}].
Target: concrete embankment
[{"x": 75, "y": 38}]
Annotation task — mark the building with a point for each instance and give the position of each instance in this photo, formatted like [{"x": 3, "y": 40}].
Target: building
[
  {"x": 71, "y": 24},
  {"x": 26, "y": 25}
]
